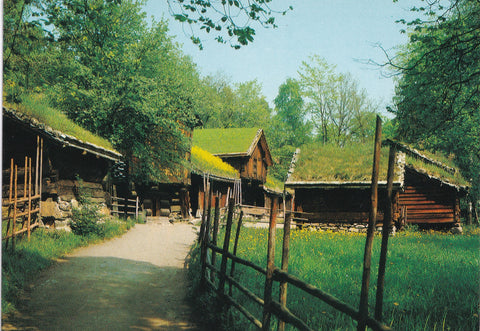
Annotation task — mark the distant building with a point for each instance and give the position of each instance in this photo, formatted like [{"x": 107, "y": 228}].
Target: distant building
[
  {"x": 332, "y": 184},
  {"x": 246, "y": 150}
]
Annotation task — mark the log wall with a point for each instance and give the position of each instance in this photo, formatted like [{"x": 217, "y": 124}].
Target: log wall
[{"x": 427, "y": 202}]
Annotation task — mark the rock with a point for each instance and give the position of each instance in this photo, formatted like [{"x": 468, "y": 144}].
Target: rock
[
  {"x": 64, "y": 205},
  {"x": 74, "y": 203},
  {"x": 456, "y": 230}
]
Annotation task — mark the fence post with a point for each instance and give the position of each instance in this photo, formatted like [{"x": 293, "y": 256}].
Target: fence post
[
  {"x": 136, "y": 208},
  {"x": 285, "y": 253},
  {"x": 204, "y": 213},
  {"x": 270, "y": 266},
  {"x": 226, "y": 243},
  {"x": 367, "y": 258},
  {"x": 14, "y": 208},
  {"x": 235, "y": 245},
  {"x": 387, "y": 223},
  {"x": 204, "y": 242},
  {"x": 215, "y": 233},
  {"x": 29, "y": 216}
]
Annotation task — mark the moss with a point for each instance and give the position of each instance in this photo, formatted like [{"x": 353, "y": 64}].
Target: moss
[
  {"x": 36, "y": 106},
  {"x": 225, "y": 141},
  {"x": 206, "y": 162},
  {"x": 343, "y": 164},
  {"x": 353, "y": 163}
]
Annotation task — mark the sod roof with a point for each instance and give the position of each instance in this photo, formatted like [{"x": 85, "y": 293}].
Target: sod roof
[
  {"x": 205, "y": 162},
  {"x": 225, "y": 141},
  {"x": 52, "y": 123},
  {"x": 352, "y": 164}
]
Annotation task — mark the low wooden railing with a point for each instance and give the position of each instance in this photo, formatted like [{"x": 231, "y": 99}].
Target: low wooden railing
[
  {"x": 272, "y": 274},
  {"x": 124, "y": 207}
]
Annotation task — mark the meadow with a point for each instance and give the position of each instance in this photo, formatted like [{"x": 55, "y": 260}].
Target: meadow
[{"x": 431, "y": 280}]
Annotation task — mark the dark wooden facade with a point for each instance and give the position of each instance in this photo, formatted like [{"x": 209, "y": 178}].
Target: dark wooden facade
[
  {"x": 422, "y": 200},
  {"x": 65, "y": 160},
  {"x": 427, "y": 201}
]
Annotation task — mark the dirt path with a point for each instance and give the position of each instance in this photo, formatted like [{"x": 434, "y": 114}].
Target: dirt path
[{"x": 136, "y": 282}]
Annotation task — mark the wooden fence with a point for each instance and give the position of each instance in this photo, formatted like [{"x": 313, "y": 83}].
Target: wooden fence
[
  {"x": 124, "y": 207},
  {"x": 273, "y": 274},
  {"x": 21, "y": 210}
]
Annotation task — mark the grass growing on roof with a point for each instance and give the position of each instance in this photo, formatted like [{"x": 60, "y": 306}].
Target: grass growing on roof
[
  {"x": 36, "y": 106},
  {"x": 351, "y": 163},
  {"x": 274, "y": 184},
  {"x": 436, "y": 171},
  {"x": 224, "y": 141},
  {"x": 208, "y": 163}
]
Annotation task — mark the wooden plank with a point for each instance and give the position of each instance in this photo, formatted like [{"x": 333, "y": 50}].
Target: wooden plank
[
  {"x": 240, "y": 260},
  {"x": 286, "y": 315}
]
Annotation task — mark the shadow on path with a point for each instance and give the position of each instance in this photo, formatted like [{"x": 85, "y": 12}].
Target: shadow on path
[{"x": 105, "y": 293}]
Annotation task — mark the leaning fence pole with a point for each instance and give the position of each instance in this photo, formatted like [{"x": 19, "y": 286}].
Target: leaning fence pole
[
  {"x": 387, "y": 223},
  {"x": 205, "y": 240},
  {"x": 367, "y": 258},
  {"x": 29, "y": 216},
  {"x": 235, "y": 246},
  {"x": 14, "y": 221},
  {"x": 216, "y": 220},
  {"x": 36, "y": 165},
  {"x": 204, "y": 212},
  {"x": 267, "y": 314},
  {"x": 285, "y": 252},
  {"x": 226, "y": 243},
  {"x": 9, "y": 202}
]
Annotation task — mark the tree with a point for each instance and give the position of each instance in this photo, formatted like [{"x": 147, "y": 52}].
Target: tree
[
  {"x": 340, "y": 110},
  {"x": 121, "y": 78},
  {"x": 232, "y": 21},
  {"x": 288, "y": 128},
  {"x": 437, "y": 97},
  {"x": 224, "y": 106}
]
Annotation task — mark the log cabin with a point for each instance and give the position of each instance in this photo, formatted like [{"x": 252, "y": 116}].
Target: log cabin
[
  {"x": 68, "y": 153},
  {"x": 246, "y": 150},
  {"x": 332, "y": 185},
  {"x": 207, "y": 169}
]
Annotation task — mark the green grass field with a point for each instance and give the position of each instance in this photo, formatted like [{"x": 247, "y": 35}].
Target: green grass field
[{"x": 431, "y": 280}]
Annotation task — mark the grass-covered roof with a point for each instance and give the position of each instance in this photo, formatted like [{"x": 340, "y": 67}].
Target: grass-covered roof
[
  {"x": 330, "y": 163},
  {"x": 353, "y": 163},
  {"x": 225, "y": 141},
  {"x": 205, "y": 162},
  {"x": 273, "y": 184},
  {"x": 35, "y": 111}
]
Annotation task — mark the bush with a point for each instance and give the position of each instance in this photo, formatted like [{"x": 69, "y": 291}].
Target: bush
[{"x": 86, "y": 221}]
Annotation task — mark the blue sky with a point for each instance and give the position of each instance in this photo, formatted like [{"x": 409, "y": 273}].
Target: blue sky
[{"x": 344, "y": 32}]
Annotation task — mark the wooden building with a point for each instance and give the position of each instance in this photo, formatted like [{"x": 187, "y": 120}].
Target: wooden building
[
  {"x": 210, "y": 172},
  {"x": 66, "y": 158},
  {"x": 332, "y": 184},
  {"x": 246, "y": 150}
]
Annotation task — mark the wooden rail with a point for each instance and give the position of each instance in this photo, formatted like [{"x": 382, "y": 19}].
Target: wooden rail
[
  {"x": 23, "y": 211},
  {"x": 273, "y": 274},
  {"x": 128, "y": 206}
]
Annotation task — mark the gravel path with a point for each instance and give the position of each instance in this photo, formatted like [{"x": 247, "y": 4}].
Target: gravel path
[{"x": 135, "y": 282}]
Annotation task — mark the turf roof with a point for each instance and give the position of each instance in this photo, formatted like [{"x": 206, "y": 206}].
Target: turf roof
[
  {"x": 205, "y": 162},
  {"x": 225, "y": 141},
  {"x": 330, "y": 163},
  {"x": 35, "y": 110},
  {"x": 353, "y": 164}
]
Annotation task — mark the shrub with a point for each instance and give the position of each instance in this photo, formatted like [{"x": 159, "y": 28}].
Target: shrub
[{"x": 86, "y": 221}]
